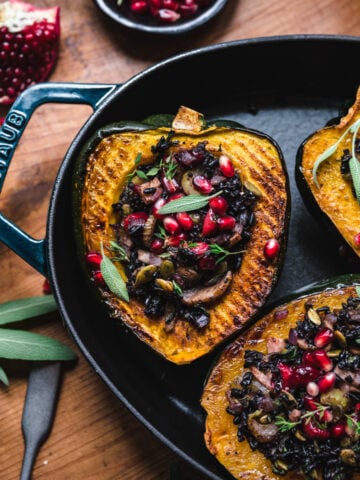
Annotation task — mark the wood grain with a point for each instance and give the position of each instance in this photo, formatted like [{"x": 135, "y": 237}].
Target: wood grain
[{"x": 94, "y": 436}]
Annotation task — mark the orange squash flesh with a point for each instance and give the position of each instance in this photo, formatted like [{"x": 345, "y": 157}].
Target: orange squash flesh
[
  {"x": 334, "y": 195},
  {"x": 259, "y": 162},
  {"x": 220, "y": 432}
]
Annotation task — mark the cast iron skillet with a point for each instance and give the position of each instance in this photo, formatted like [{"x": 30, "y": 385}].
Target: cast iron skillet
[{"x": 285, "y": 86}]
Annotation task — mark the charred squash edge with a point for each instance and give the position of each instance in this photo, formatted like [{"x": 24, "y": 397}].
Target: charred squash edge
[
  {"x": 151, "y": 123},
  {"x": 254, "y": 332}
]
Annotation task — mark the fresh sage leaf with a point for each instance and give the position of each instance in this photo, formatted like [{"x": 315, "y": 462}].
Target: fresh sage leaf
[
  {"x": 112, "y": 277},
  {"x": 18, "y": 310},
  {"x": 354, "y": 165},
  {"x": 187, "y": 204},
  {"x": 353, "y": 128},
  {"x": 357, "y": 289},
  {"x": 23, "y": 345},
  {"x": 3, "y": 377}
]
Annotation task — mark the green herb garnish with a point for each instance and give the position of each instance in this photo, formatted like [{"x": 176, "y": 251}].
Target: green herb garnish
[
  {"x": 285, "y": 425},
  {"x": 354, "y": 168},
  {"x": 217, "y": 250},
  {"x": 169, "y": 166},
  {"x": 187, "y": 204},
  {"x": 112, "y": 277},
  {"x": 121, "y": 253},
  {"x": 177, "y": 288},
  {"x": 19, "y": 345}
]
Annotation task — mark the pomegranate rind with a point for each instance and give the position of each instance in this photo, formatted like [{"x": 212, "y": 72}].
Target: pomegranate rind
[
  {"x": 21, "y": 67},
  {"x": 220, "y": 431}
]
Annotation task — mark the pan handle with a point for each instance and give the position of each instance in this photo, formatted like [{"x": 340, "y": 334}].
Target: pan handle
[{"x": 28, "y": 248}]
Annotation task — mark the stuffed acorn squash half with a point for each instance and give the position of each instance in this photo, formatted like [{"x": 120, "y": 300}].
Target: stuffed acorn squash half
[
  {"x": 182, "y": 226},
  {"x": 283, "y": 401},
  {"x": 328, "y": 176}
]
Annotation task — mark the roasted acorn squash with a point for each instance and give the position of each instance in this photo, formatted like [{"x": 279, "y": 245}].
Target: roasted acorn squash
[
  {"x": 121, "y": 151},
  {"x": 223, "y": 417},
  {"x": 324, "y": 180}
]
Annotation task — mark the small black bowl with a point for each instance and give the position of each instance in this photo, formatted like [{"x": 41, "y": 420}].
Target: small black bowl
[{"x": 148, "y": 24}]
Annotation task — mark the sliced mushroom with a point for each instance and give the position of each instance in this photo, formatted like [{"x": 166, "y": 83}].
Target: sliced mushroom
[
  {"x": 188, "y": 275},
  {"x": 262, "y": 432},
  {"x": 275, "y": 345},
  {"x": 207, "y": 294},
  {"x": 187, "y": 181},
  {"x": 148, "y": 258}
]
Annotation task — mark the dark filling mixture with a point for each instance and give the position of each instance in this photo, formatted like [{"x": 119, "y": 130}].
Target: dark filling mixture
[
  {"x": 178, "y": 262},
  {"x": 299, "y": 404}
]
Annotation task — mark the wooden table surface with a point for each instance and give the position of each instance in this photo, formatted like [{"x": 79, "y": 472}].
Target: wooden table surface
[{"x": 94, "y": 436}]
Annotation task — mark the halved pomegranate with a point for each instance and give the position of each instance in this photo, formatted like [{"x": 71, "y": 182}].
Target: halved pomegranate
[{"x": 29, "y": 44}]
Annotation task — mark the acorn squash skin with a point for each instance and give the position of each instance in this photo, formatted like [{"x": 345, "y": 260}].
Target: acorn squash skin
[
  {"x": 99, "y": 177},
  {"x": 220, "y": 431},
  {"x": 333, "y": 205}
]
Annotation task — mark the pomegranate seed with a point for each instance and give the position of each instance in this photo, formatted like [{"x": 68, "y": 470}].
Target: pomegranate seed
[
  {"x": 46, "y": 287},
  {"x": 188, "y": 10},
  {"x": 157, "y": 245},
  {"x": 338, "y": 430},
  {"x": 323, "y": 337},
  {"x": 171, "y": 4},
  {"x": 175, "y": 240},
  {"x": 310, "y": 403},
  {"x": 357, "y": 239},
  {"x": 297, "y": 376},
  {"x": 326, "y": 382},
  {"x": 202, "y": 184},
  {"x": 219, "y": 205},
  {"x": 200, "y": 248},
  {"x": 139, "y": 7},
  {"x": 168, "y": 16},
  {"x": 171, "y": 225},
  {"x": 312, "y": 431},
  {"x": 226, "y": 166},
  {"x": 185, "y": 220},
  {"x": 271, "y": 248},
  {"x": 175, "y": 196},
  {"x": 94, "y": 259},
  {"x": 98, "y": 277},
  {"x": 135, "y": 220},
  {"x": 312, "y": 389},
  {"x": 160, "y": 202},
  {"x": 209, "y": 225},
  {"x": 357, "y": 407},
  {"x": 226, "y": 222},
  {"x": 325, "y": 416},
  {"x": 318, "y": 358}
]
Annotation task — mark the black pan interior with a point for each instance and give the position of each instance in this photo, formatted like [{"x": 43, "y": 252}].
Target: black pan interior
[{"x": 285, "y": 86}]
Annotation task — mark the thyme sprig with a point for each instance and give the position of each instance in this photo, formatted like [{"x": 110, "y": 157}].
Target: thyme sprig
[
  {"x": 218, "y": 250},
  {"x": 353, "y": 164},
  {"x": 285, "y": 425}
]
